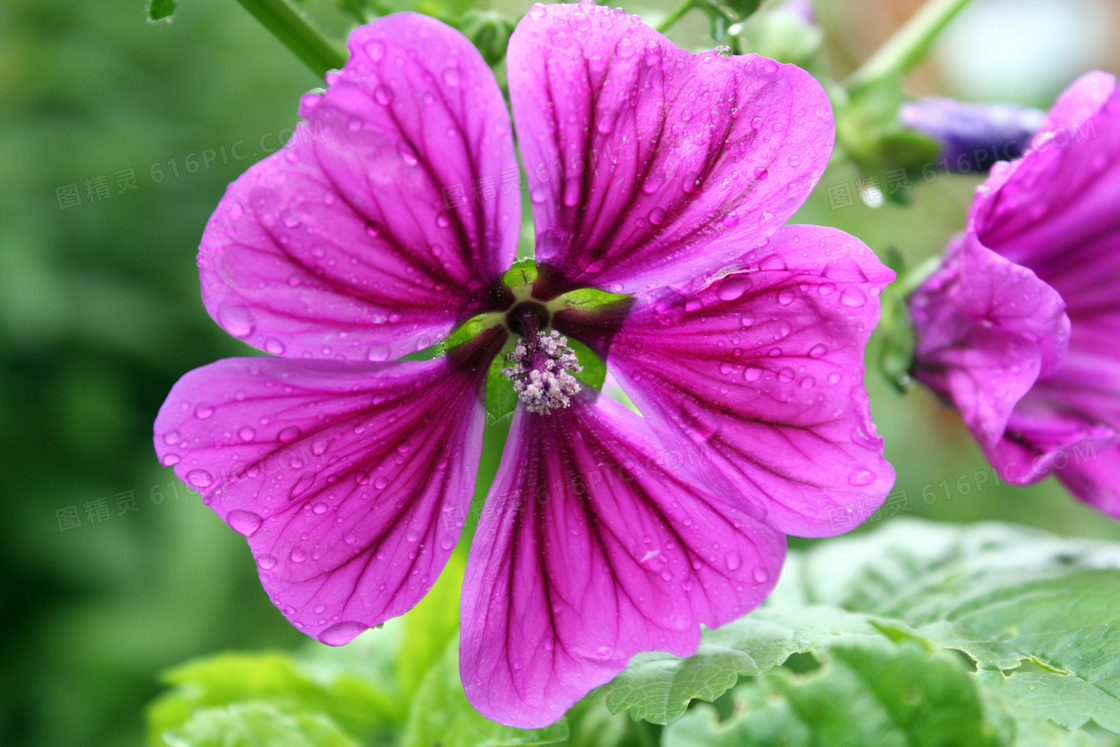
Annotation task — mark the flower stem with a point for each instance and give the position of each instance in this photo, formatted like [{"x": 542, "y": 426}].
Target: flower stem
[
  {"x": 295, "y": 31},
  {"x": 675, "y": 15},
  {"x": 908, "y": 45}
]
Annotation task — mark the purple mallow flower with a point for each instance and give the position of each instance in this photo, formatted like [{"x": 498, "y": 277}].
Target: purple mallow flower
[
  {"x": 1018, "y": 327},
  {"x": 652, "y": 173}
]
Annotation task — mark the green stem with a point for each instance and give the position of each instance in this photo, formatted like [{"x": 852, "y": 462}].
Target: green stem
[
  {"x": 909, "y": 44},
  {"x": 676, "y": 15},
  {"x": 297, "y": 34}
]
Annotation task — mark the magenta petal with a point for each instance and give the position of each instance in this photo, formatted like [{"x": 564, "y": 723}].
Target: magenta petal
[
  {"x": 350, "y": 480},
  {"x": 648, "y": 166},
  {"x": 760, "y": 376},
  {"x": 987, "y": 329},
  {"x": 382, "y": 223},
  {"x": 1055, "y": 210},
  {"x": 590, "y": 549}
]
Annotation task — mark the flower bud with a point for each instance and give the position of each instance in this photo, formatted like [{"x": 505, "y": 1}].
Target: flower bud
[{"x": 973, "y": 136}]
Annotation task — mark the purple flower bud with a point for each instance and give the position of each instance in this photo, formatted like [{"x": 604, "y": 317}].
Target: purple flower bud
[
  {"x": 975, "y": 136},
  {"x": 803, "y": 9}
]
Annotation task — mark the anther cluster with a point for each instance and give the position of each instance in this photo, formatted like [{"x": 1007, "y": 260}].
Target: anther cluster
[{"x": 542, "y": 372}]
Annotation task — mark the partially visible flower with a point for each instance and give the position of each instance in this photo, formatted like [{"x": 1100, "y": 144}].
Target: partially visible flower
[
  {"x": 653, "y": 173},
  {"x": 974, "y": 137},
  {"x": 1019, "y": 327}
]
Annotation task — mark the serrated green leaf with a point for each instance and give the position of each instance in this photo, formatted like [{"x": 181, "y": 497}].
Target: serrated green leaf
[
  {"x": 657, "y": 687},
  {"x": 869, "y": 693},
  {"x": 159, "y": 10},
  {"x": 442, "y": 715},
  {"x": 256, "y": 724},
  {"x": 1035, "y": 612}
]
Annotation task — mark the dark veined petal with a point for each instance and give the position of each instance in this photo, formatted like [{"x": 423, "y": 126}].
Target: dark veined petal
[
  {"x": 648, "y": 166},
  {"x": 350, "y": 480},
  {"x": 987, "y": 329},
  {"x": 1056, "y": 211},
  {"x": 383, "y": 222},
  {"x": 760, "y": 375},
  {"x": 591, "y": 547}
]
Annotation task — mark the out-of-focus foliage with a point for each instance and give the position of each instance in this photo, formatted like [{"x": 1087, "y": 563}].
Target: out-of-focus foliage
[{"x": 917, "y": 634}]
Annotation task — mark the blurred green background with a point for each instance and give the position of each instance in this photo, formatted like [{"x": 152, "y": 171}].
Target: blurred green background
[{"x": 100, "y": 314}]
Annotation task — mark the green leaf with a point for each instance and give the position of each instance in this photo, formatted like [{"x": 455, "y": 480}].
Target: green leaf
[
  {"x": 256, "y": 724},
  {"x": 441, "y": 715},
  {"x": 1034, "y": 613},
  {"x": 657, "y": 687},
  {"x": 869, "y": 693},
  {"x": 274, "y": 678},
  {"x": 159, "y": 10},
  {"x": 1019, "y": 727}
]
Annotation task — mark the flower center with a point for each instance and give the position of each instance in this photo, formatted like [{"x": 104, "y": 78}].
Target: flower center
[{"x": 542, "y": 371}]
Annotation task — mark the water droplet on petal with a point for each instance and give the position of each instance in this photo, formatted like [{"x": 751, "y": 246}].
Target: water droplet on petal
[
  {"x": 853, "y": 297},
  {"x": 266, "y": 561},
  {"x": 761, "y": 576},
  {"x": 200, "y": 478},
  {"x": 245, "y": 523},
  {"x": 451, "y": 76},
  {"x": 274, "y": 346},
  {"x": 289, "y": 434},
  {"x": 303, "y": 484},
  {"x": 732, "y": 288},
  {"x": 861, "y": 477},
  {"x": 624, "y": 49},
  {"x": 383, "y": 95},
  {"x": 340, "y": 633},
  {"x": 237, "y": 320},
  {"x": 818, "y": 350},
  {"x": 733, "y": 561}
]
